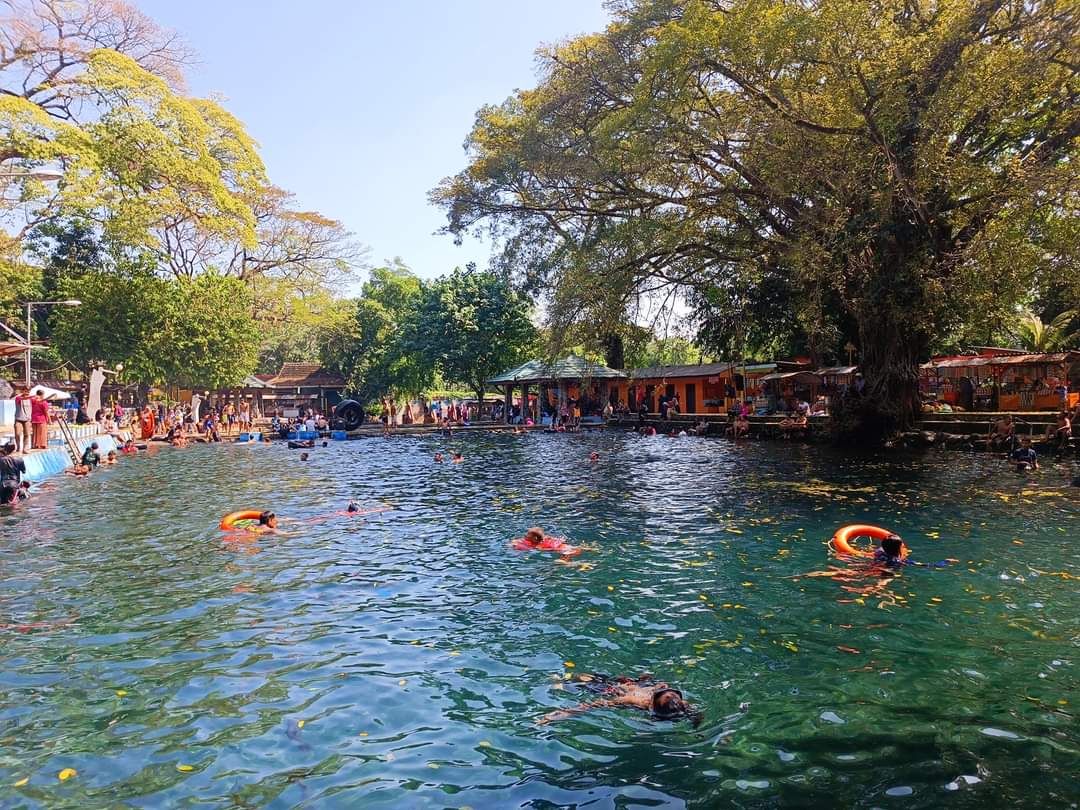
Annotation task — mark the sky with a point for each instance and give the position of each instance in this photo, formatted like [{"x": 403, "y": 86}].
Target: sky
[{"x": 361, "y": 107}]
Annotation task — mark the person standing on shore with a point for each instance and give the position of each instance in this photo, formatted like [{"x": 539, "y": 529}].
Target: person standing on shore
[
  {"x": 39, "y": 420},
  {"x": 22, "y": 420},
  {"x": 146, "y": 423}
]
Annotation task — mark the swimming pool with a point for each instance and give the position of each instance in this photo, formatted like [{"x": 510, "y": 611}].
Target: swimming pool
[{"x": 401, "y": 660}]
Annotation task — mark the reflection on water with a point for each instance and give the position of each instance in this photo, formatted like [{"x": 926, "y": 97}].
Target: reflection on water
[{"x": 401, "y": 658}]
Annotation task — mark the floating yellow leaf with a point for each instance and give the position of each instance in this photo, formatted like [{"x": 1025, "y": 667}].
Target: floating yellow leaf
[
  {"x": 402, "y": 682},
  {"x": 66, "y": 774},
  {"x": 568, "y": 664},
  {"x": 121, "y": 693},
  {"x": 300, "y": 723},
  {"x": 484, "y": 744},
  {"x": 363, "y": 733},
  {"x": 185, "y": 768},
  {"x": 22, "y": 781},
  {"x": 611, "y": 587},
  {"x": 613, "y": 629}
]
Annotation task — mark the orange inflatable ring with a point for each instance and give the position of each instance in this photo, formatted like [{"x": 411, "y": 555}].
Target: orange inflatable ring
[
  {"x": 841, "y": 541},
  {"x": 231, "y": 519}
]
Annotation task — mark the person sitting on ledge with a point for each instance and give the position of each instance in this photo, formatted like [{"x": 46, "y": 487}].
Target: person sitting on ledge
[
  {"x": 790, "y": 425},
  {"x": 1003, "y": 433}
]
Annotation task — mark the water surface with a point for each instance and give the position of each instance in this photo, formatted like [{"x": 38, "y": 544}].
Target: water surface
[{"x": 401, "y": 660}]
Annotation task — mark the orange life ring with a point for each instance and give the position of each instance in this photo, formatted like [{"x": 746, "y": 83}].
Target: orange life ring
[
  {"x": 231, "y": 519},
  {"x": 841, "y": 541}
]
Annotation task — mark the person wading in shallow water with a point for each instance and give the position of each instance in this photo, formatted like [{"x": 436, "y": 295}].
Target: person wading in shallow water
[{"x": 658, "y": 698}]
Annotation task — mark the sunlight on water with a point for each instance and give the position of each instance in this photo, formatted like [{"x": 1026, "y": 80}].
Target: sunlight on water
[{"x": 401, "y": 659}]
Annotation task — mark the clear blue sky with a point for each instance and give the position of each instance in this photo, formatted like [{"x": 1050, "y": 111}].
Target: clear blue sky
[{"x": 361, "y": 107}]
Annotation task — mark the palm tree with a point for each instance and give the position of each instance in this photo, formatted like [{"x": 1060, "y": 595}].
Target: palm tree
[{"x": 1037, "y": 336}]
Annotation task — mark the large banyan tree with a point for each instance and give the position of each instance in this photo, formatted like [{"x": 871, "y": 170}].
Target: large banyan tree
[{"x": 885, "y": 171}]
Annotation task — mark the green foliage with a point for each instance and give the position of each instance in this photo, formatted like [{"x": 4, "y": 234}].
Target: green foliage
[
  {"x": 805, "y": 173},
  {"x": 291, "y": 324},
  {"x": 371, "y": 349},
  {"x": 197, "y": 333},
  {"x": 472, "y": 326},
  {"x": 1037, "y": 336},
  {"x": 665, "y": 351}
]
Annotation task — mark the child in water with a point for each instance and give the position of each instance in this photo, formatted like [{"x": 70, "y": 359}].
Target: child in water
[{"x": 1025, "y": 457}]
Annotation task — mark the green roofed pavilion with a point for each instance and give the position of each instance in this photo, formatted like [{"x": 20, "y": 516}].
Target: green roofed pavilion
[
  {"x": 573, "y": 385},
  {"x": 569, "y": 368}
]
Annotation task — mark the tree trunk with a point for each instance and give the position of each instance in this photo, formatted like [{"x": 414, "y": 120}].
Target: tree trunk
[
  {"x": 891, "y": 309},
  {"x": 614, "y": 353}
]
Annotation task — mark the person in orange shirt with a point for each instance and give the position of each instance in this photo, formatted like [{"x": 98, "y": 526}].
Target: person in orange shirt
[{"x": 146, "y": 423}]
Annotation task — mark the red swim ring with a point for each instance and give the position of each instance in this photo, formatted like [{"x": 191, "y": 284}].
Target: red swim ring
[
  {"x": 231, "y": 519},
  {"x": 841, "y": 541}
]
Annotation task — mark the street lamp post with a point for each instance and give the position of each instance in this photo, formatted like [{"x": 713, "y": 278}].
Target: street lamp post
[
  {"x": 45, "y": 175},
  {"x": 71, "y": 302}
]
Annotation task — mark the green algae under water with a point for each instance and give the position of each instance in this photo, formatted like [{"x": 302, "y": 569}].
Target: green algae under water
[{"x": 400, "y": 660}]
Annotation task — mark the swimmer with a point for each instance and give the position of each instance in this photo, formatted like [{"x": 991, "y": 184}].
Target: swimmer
[
  {"x": 457, "y": 458},
  {"x": 79, "y": 470},
  {"x": 1024, "y": 456},
  {"x": 303, "y": 456},
  {"x": 536, "y": 540},
  {"x": 110, "y": 458},
  {"x": 266, "y": 440},
  {"x": 353, "y": 507},
  {"x": 438, "y": 458},
  {"x": 890, "y": 551},
  {"x": 658, "y": 698},
  {"x": 325, "y": 444},
  {"x": 129, "y": 447},
  {"x": 594, "y": 456}
]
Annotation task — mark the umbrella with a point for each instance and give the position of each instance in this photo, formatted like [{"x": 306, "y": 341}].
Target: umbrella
[{"x": 51, "y": 394}]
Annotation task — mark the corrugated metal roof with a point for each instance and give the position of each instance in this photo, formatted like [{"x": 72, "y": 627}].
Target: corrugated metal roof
[
  {"x": 1049, "y": 358},
  {"x": 787, "y": 375},
  {"x": 298, "y": 375},
  {"x": 836, "y": 371},
  {"x": 697, "y": 370},
  {"x": 568, "y": 368}
]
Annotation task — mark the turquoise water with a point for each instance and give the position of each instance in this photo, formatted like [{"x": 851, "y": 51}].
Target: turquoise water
[{"x": 401, "y": 660}]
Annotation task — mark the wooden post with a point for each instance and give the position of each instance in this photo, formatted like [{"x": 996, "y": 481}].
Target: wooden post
[{"x": 508, "y": 401}]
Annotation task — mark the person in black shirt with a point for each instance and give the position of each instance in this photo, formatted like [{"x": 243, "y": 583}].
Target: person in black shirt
[
  {"x": 11, "y": 472},
  {"x": 90, "y": 457}
]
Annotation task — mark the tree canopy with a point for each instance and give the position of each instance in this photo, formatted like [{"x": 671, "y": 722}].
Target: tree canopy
[
  {"x": 472, "y": 326},
  {"x": 372, "y": 349},
  {"x": 94, "y": 89},
  {"x": 801, "y": 173}
]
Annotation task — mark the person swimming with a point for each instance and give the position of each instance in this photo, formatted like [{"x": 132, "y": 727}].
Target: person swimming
[
  {"x": 457, "y": 458},
  {"x": 536, "y": 540},
  {"x": 891, "y": 551},
  {"x": 353, "y": 507},
  {"x": 438, "y": 458},
  {"x": 594, "y": 456},
  {"x": 661, "y": 700}
]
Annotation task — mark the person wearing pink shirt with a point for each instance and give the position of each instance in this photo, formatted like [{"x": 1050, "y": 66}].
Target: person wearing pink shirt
[{"x": 39, "y": 420}]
